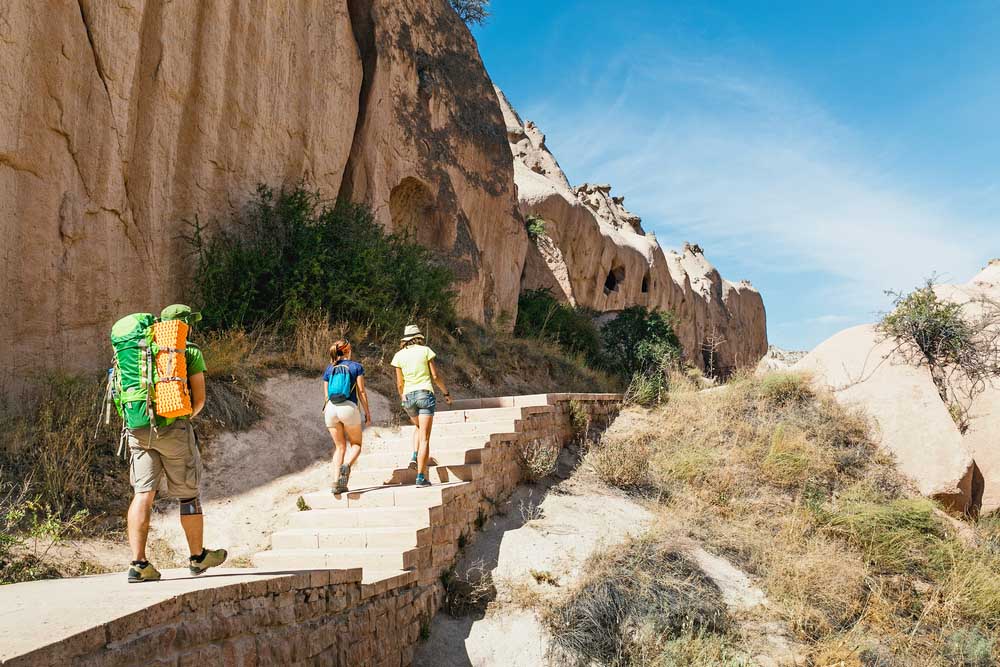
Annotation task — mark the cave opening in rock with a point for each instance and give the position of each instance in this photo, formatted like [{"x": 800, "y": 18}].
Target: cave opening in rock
[
  {"x": 616, "y": 277},
  {"x": 645, "y": 284},
  {"x": 414, "y": 213}
]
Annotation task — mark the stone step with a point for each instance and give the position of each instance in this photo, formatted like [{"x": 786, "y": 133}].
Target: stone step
[
  {"x": 442, "y": 474},
  {"x": 486, "y": 415},
  {"x": 404, "y": 446},
  {"x": 463, "y": 429},
  {"x": 351, "y": 538},
  {"x": 412, "y": 518},
  {"x": 387, "y": 496},
  {"x": 501, "y": 402},
  {"x": 339, "y": 559},
  {"x": 439, "y": 456},
  {"x": 377, "y": 582}
]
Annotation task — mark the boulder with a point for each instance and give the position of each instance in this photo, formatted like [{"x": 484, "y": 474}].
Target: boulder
[
  {"x": 595, "y": 254},
  {"x": 913, "y": 422},
  {"x": 982, "y": 438}
]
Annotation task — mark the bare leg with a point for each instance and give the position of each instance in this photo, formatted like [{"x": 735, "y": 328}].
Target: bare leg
[
  {"x": 138, "y": 523},
  {"x": 416, "y": 435},
  {"x": 194, "y": 531},
  {"x": 353, "y": 435},
  {"x": 424, "y": 451},
  {"x": 340, "y": 445}
]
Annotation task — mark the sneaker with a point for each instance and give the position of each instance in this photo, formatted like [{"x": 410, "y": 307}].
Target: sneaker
[
  {"x": 141, "y": 571},
  {"x": 207, "y": 559},
  {"x": 423, "y": 482},
  {"x": 413, "y": 460}
]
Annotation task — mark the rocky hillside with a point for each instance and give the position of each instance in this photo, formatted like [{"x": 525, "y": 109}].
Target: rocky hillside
[
  {"x": 595, "y": 254},
  {"x": 124, "y": 122}
]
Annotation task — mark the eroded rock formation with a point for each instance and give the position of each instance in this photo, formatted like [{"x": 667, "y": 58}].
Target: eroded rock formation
[
  {"x": 860, "y": 367},
  {"x": 119, "y": 121},
  {"x": 595, "y": 254}
]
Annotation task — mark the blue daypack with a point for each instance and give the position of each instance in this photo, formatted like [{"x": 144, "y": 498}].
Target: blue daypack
[{"x": 338, "y": 389}]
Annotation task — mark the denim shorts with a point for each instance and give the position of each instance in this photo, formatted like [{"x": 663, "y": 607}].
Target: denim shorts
[{"x": 420, "y": 402}]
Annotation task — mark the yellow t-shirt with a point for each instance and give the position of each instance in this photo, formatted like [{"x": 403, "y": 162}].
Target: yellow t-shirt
[{"x": 412, "y": 361}]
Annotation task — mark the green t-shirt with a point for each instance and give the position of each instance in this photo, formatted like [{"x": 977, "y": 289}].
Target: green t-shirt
[
  {"x": 413, "y": 361},
  {"x": 195, "y": 364}
]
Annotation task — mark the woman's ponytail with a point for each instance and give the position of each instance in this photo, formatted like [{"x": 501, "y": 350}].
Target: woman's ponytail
[{"x": 337, "y": 350}]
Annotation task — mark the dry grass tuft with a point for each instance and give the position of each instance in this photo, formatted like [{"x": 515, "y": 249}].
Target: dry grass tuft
[
  {"x": 63, "y": 452},
  {"x": 623, "y": 462},
  {"x": 538, "y": 459},
  {"x": 631, "y": 602}
]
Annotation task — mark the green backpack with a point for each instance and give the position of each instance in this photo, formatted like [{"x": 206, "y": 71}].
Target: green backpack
[{"x": 133, "y": 378}]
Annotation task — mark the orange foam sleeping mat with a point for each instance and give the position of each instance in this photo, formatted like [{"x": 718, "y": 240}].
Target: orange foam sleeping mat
[{"x": 172, "y": 396}]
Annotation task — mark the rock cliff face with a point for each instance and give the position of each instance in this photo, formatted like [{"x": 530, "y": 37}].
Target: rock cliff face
[
  {"x": 962, "y": 471},
  {"x": 596, "y": 254},
  {"x": 119, "y": 121},
  {"x": 430, "y": 154},
  {"x": 122, "y": 122}
]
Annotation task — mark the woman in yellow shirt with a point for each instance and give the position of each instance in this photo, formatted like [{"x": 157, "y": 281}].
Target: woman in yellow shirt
[{"x": 416, "y": 376}]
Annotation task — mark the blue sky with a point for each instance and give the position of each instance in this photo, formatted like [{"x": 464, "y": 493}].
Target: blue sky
[{"x": 826, "y": 151}]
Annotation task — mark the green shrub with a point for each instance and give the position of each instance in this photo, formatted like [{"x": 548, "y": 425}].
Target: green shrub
[
  {"x": 934, "y": 327},
  {"x": 962, "y": 351},
  {"x": 535, "y": 227},
  {"x": 968, "y": 647},
  {"x": 292, "y": 253},
  {"x": 641, "y": 341},
  {"x": 541, "y": 315}
]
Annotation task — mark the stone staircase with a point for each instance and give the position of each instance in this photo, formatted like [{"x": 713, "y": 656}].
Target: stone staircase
[
  {"x": 348, "y": 582},
  {"x": 399, "y": 534}
]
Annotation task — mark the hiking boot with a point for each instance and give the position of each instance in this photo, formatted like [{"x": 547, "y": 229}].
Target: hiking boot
[
  {"x": 141, "y": 571},
  {"x": 423, "y": 482},
  {"x": 345, "y": 475},
  {"x": 207, "y": 559}
]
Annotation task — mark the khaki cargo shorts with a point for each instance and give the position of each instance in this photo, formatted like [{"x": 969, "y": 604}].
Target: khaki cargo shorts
[{"x": 173, "y": 452}]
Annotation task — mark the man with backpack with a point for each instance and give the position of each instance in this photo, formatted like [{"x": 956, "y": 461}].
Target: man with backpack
[{"x": 170, "y": 450}]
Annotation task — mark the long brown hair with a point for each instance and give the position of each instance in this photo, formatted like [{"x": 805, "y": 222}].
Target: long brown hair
[
  {"x": 413, "y": 341},
  {"x": 337, "y": 350}
]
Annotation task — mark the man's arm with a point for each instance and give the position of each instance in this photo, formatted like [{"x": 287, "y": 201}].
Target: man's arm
[{"x": 197, "y": 384}]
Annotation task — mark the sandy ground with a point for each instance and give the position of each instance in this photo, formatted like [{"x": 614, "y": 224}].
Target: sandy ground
[
  {"x": 252, "y": 479},
  {"x": 549, "y": 528}
]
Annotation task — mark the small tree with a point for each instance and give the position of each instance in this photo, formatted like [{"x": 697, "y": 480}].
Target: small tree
[
  {"x": 961, "y": 351},
  {"x": 640, "y": 341},
  {"x": 473, "y": 12}
]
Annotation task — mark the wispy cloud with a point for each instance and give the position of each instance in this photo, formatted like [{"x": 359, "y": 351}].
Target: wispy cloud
[{"x": 763, "y": 177}]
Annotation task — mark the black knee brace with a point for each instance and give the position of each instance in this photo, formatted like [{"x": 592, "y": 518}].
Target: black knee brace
[{"x": 190, "y": 506}]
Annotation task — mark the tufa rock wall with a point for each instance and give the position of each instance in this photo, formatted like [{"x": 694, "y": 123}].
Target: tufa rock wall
[
  {"x": 595, "y": 254},
  {"x": 121, "y": 121},
  {"x": 430, "y": 155}
]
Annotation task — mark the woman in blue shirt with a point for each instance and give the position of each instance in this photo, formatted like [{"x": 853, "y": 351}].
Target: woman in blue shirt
[{"x": 343, "y": 419}]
